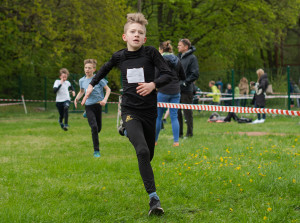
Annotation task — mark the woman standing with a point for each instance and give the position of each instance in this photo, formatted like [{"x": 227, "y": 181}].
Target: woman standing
[
  {"x": 259, "y": 98},
  {"x": 170, "y": 93},
  {"x": 244, "y": 90}
]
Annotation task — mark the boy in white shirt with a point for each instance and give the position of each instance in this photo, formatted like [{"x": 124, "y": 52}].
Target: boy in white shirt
[{"x": 61, "y": 89}]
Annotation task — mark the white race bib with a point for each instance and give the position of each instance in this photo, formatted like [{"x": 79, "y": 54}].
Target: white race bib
[{"x": 135, "y": 75}]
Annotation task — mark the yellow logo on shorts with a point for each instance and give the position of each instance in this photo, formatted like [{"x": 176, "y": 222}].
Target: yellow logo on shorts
[{"x": 128, "y": 118}]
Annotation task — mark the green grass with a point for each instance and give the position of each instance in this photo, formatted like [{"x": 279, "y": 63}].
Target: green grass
[{"x": 48, "y": 175}]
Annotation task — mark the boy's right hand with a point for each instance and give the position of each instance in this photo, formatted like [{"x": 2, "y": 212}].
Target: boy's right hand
[{"x": 87, "y": 94}]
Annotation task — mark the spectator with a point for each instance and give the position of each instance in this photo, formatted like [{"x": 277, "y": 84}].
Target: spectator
[
  {"x": 170, "y": 93},
  {"x": 228, "y": 94},
  {"x": 191, "y": 69},
  {"x": 244, "y": 90},
  {"x": 216, "y": 94},
  {"x": 259, "y": 96}
]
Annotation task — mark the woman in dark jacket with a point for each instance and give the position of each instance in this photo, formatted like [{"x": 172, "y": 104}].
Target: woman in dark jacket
[
  {"x": 259, "y": 96},
  {"x": 170, "y": 93}
]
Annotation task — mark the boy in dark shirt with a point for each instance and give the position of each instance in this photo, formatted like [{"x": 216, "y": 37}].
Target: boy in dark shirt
[{"x": 139, "y": 100}]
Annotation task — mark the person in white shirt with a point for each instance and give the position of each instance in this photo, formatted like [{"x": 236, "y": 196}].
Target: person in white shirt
[{"x": 61, "y": 89}]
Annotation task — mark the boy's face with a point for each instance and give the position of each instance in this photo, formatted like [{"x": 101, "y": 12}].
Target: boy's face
[
  {"x": 135, "y": 36},
  {"x": 89, "y": 69},
  {"x": 63, "y": 76}
]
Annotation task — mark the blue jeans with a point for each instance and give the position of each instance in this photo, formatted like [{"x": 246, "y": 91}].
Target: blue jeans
[
  {"x": 168, "y": 98},
  {"x": 258, "y": 114}
]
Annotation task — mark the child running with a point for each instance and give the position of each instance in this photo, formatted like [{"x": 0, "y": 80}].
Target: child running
[
  {"x": 93, "y": 105},
  {"x": 61, "y": 89},
  {"x": 139, "y": 101}
]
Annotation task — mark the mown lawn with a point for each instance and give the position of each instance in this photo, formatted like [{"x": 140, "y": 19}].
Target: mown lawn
[{"x": 219, "y": 175}]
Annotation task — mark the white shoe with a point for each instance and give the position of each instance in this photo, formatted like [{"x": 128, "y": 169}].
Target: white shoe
[
  {"x": 262, "y": 120},
  {"x": 256, "y": 121}
]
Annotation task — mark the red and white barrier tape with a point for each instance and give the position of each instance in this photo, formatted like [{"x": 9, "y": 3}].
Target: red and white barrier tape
[
  {"x": 205, "y": 108},
  {"x": 41, "y": 100},
  {"x": 228, "y": 109}
]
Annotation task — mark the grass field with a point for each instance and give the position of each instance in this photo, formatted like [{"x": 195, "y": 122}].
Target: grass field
[{"x": 219, "y": 175}]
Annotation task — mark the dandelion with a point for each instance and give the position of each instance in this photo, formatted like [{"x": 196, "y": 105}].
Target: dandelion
[
  {"x": 279, "y": 178},
  {"x": 230, "y": 181},
  {"x": 204, "y": 157},
  {"x": 265, "y": 218},
  {"x": 218, "y": 200},
  {"x": 163, "y": 163},
  {"x": 238, "y": 185},
  {"x": 103, "y": 188},
  {"x": 248, "y": 173},
  {"x": 296, "y": 140},
  {"x": 269, "y": 209},
  {"x": 221, "y": 159},
  {"x": 294, "y": 181},
  {"x": 227, "y": 151},
  {"x": 179, "y": 174},
  {"x": 241, "y": 190},
  {"x": 230, "y": 209},
  {"x": 250, "y": 180},
  {"x": 238, "y": 168},
  {"x": 185, "y": 164}
]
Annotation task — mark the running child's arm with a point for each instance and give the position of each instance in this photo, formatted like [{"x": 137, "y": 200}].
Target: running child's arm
[
  {"x": 79, "y": 95},
  {"x": 56, "y": 87},
  {"x": 107, "y": 93},
  {"x": 72, "y": 89}
]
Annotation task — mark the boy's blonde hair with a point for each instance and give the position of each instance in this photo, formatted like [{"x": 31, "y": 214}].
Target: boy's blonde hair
[
  {"x": 92, "y": 61},
  {"x": 64, "y": 71},
  {"x": 135, "y": 18},
  {"x": 212, "y": 82}
]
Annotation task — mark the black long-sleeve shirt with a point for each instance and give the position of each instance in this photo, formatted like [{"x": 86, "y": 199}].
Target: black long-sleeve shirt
[{"x": 147, "y": 57}]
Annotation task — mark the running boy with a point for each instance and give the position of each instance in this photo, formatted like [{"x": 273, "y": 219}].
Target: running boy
[
  {"x": 61, "y": 89},
  {"x": 139, "y": 101},
  {"x": 93, "y": 105}
]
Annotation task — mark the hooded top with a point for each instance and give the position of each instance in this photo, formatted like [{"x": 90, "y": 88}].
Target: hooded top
[
  {"x": 178, "y": 75},
  {"x": 191, "y": 69}
]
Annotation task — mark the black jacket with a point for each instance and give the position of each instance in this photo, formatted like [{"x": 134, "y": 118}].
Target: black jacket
[
  {"x": 191, "y": 69},
  {"x": 178, "y": 75}
]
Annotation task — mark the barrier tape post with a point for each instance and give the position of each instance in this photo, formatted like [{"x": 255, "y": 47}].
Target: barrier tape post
[
  {"x": 289, "y": 87},
  {"x": 23, "y": 101}
]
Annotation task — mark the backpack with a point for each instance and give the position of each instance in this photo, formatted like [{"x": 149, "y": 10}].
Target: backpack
[{"x": 269, "y": 89}]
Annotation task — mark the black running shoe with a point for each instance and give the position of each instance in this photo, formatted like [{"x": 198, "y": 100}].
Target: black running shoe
[
  {"x": 66, "y": 127},
  {"x": 155, "y": 208}
]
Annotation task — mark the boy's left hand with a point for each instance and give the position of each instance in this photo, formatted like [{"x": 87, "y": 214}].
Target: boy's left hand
[{"x": 145, "y": 88}]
